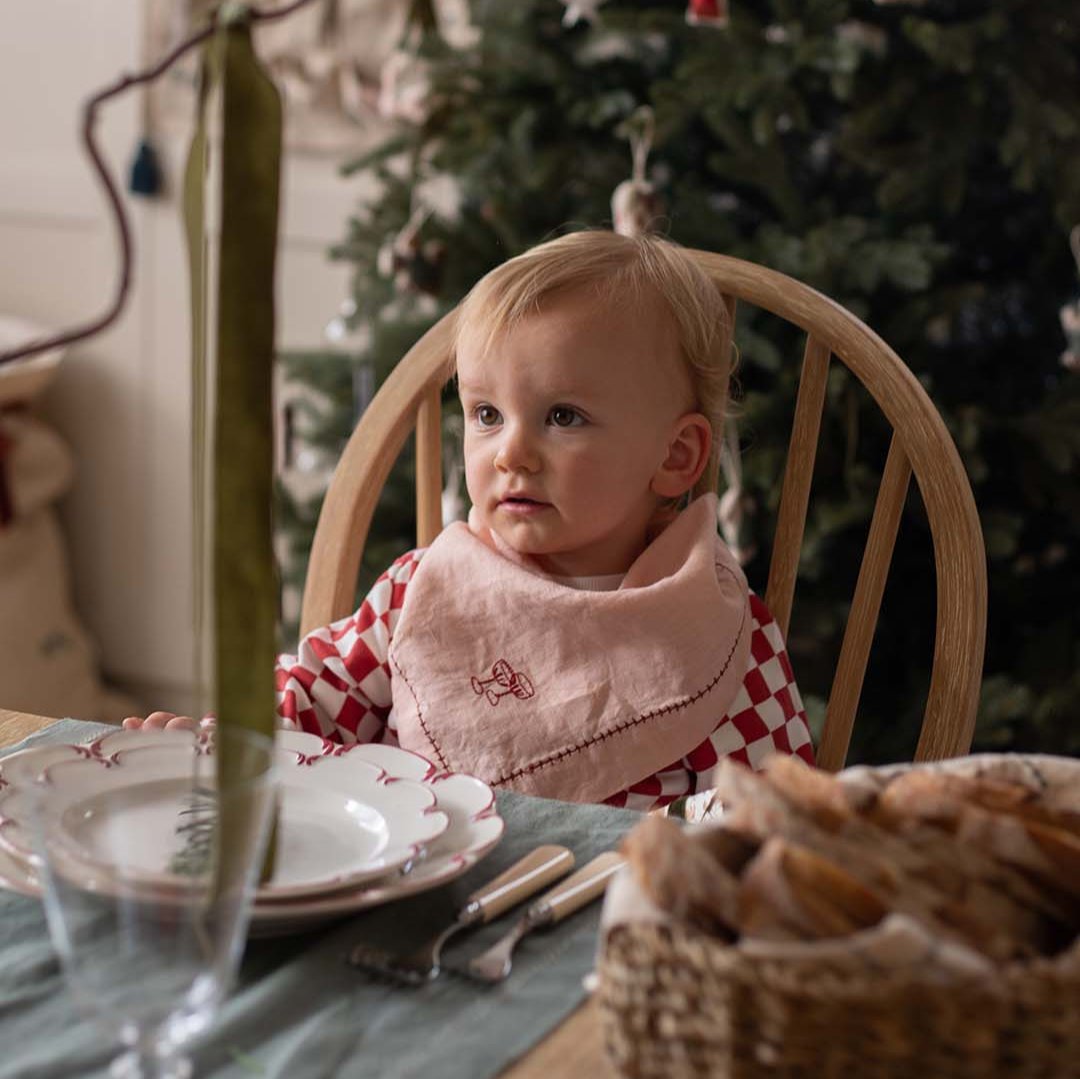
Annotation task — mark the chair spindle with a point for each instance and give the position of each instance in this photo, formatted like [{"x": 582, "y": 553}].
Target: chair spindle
[
  {"x": 798, "y": 472},
  {"x": 429, "y": 520},
  {"x": 862, "y": 619}
]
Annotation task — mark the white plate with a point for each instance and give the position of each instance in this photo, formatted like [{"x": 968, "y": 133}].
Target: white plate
[
  {"x": 343, "y": 821},
  {"x": 475, "y": 828}
]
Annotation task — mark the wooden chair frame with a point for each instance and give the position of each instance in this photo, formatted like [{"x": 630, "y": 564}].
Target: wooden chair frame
[{"x": 921, "y": 444}]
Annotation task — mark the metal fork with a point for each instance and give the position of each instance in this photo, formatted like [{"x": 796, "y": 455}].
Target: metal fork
[
  {"x": 523, "y": 879},
  {"x": 578, "y": 890}
]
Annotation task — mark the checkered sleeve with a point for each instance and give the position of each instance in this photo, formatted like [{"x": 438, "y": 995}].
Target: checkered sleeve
[
  {"x": 338, "y": 683},
  {"x": 766, "y": 716}
]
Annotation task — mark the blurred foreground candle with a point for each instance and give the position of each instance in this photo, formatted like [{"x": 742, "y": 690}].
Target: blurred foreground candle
[{"x": 232, "y": 283}]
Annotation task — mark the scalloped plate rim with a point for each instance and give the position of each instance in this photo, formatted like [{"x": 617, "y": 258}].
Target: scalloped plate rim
[
  {"x": 382, "y": 789},
  {"x": 273, "y": 918}
]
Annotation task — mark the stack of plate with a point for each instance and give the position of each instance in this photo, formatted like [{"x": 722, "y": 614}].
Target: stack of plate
[{"x": 358, "y": 825}]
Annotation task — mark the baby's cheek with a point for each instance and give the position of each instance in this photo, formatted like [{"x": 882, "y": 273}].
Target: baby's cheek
[
  {"x": 596, "y": 473},
  {"x": 474, "y": 484},
  {"x": 477, "y": 464}
]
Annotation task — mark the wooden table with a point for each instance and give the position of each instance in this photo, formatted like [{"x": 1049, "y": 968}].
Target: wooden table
[{"x": 573, "y": 1049}]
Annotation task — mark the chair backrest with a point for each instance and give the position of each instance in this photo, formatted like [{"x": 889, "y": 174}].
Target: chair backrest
[{"x": 410, "y": 398}]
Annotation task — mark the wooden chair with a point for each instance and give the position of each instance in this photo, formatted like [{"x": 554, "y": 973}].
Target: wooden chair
[{"x": 920, "y": 444}]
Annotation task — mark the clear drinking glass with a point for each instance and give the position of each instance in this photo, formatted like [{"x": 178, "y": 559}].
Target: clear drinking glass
[{"x": 148, "y": 921}]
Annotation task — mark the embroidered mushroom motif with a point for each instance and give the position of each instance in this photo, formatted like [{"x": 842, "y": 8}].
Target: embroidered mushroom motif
[{"x": 504, "y": 681}]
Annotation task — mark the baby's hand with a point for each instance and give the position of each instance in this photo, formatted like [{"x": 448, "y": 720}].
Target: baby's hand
[{"x": 168, "y": 721}]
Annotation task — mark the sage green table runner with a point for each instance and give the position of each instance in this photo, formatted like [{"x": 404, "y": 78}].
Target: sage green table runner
[{"x": 299, "y": 1012}]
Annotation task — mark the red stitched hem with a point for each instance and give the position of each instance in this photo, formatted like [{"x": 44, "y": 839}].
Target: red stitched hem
[
  {"x": 562, "y": 754},
  {"x": 420, "y": 713}
]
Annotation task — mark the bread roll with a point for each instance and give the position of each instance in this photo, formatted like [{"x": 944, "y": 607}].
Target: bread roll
[{"x": 682, "y": 876}]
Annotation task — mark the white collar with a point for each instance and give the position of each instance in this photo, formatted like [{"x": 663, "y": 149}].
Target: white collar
[{"x": 607, "y": 582}]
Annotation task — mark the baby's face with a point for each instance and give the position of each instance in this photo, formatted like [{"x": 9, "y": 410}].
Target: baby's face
[{"x": 568, "y": 418}]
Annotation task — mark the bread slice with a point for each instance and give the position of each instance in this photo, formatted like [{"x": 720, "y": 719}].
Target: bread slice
[
  {"x": 682, "y": 876},
  {"x": 786, "y": 887}
]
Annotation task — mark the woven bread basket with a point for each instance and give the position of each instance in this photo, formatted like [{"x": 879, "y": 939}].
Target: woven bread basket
[{"x": 887, "y": 1003}]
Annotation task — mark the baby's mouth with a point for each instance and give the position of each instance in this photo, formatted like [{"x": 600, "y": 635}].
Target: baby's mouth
[{"x": 521, "y": 501}]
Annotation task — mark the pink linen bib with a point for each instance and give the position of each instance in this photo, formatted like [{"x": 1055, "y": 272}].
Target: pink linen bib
[{"x": 503, "y": 673}]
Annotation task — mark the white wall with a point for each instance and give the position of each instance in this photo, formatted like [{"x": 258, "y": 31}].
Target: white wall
[{"x": 122, "y": 400}]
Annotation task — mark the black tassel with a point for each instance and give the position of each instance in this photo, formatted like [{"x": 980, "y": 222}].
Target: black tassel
[{"x": 146, "y": 175}]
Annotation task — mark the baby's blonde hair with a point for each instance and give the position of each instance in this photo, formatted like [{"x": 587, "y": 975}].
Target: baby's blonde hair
[{"x": 622, "y": 268}]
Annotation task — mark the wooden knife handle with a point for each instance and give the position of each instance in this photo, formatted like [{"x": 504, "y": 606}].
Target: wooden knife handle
[
  {"x": 524, "y": 878},
  {"x": 581, "y": 888}
]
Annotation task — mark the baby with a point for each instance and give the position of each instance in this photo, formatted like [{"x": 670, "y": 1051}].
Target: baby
[{"x": 587, "y": 636}]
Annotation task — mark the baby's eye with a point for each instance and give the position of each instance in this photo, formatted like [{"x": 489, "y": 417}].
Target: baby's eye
[
  {"x": 561, "y": 416},
  {"x": 486, "y": 415}
]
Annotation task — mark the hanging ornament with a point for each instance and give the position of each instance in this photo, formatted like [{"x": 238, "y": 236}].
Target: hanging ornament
[
  {"x": 712, "y": 13},
  {"x": 456, "y": 25},
  {"x": 415, "y": 265},
  {"x": 635, "y": 205},
  {"x": 405, "y": 87},
  {"x": 444, "y": 195},
  {"x": 576, "y": 10},
  {"x": 736, "y": 508},
  {"x": 145, "y": 175},
  {"x": 405, "y": 76},
  {"x": 1070, "y": 314}
]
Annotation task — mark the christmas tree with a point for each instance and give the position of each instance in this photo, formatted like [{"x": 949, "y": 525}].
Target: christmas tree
[{"x": 916, "y": 162}]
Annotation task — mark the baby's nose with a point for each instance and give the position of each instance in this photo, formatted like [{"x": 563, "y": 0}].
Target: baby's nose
[{"x": 517, "y": 451}]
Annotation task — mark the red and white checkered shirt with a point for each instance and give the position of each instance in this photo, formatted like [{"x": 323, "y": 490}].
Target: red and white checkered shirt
[{"x": 338, "y": 686}]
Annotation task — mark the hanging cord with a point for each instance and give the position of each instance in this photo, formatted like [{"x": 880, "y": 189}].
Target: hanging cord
[
  {"x": 145, "y": 175},
  {"x": 419, "y": 212},
  {"x": 123, "y": 231},
  {"x": 639, "y": 128}
]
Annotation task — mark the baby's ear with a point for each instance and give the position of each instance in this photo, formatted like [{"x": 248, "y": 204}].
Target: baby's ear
[{"x": 688, "y": 454}]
